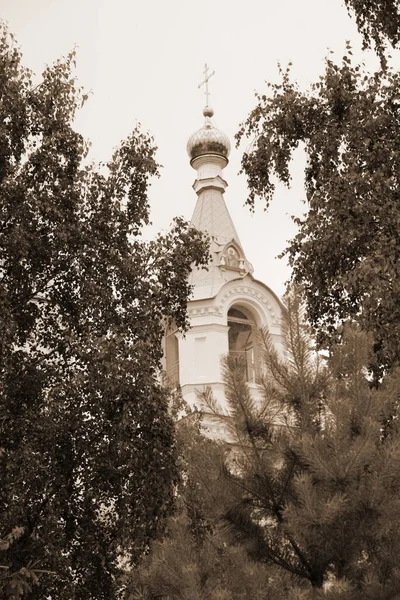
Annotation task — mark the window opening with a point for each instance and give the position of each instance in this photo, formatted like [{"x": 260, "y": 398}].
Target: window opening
[
  {"x": 172, "y": 357},
  {"x": 242, "y": 338}
]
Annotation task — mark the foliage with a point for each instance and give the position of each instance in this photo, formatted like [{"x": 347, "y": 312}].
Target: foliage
[
  {"x": 312, "y": 486},
  {"x": 180, "y": 568},
  {"x": 194, "y": 559},
  {"x": 87, "y": 459},
  {"x": 346, "y": 252},
  {"x": 377, "y": 20}
]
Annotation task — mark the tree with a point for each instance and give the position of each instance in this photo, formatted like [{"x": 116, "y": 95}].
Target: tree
[
  {"x": 346, "y": 252},
  {"x": 377, "y": 20},
  {"x": 87, "y": 458},
  {"x": 312, "y": 486},
  {"x": 195, "y": 559}
]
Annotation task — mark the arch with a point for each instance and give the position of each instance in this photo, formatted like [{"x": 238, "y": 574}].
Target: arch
[
  {"x": 242, "y": 339},
  {"x": 256, "y": 296},
  {"x": 250, "y": 309},
  {"x": 172, "y": 357}
]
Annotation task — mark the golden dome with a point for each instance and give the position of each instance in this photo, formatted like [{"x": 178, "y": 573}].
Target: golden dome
[{"x": 208, "y": 139}]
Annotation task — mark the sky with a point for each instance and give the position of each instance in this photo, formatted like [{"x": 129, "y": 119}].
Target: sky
[{"x": 142, "y": 61}]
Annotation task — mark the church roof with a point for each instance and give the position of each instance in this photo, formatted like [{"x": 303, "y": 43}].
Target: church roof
[
  {"x": 211, "y": 214},
  {"x": 208, "y": 139}
]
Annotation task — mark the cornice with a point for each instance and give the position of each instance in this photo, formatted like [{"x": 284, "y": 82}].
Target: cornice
[
  {"x": 206, "y": 183},
  {"x": 207, "y": 327}
]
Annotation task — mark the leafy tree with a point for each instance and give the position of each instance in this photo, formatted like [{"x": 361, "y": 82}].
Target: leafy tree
[
  {"x": 346, "y": 253},
  {"x": 87, "y": 459},
  {"x": 312, "y": 485},
  {"x": 377, "y": 20}
]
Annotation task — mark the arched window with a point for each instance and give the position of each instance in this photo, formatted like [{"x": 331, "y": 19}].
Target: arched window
[
  {"x": 172, "y": 357},
  {"x": 242, "y": 339}
]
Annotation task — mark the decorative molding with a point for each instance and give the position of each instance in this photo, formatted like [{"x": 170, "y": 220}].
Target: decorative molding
[
  {"x": 226, "y": 258},
  {"x": 250, "y": 291},
  {"x": 206, "y": 327},
  {"x": 202, "y": 311},
  {"x": 216, "y": 183}
]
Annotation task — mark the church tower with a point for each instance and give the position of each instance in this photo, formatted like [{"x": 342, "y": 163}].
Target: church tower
[{"x": 228, "y": 305}]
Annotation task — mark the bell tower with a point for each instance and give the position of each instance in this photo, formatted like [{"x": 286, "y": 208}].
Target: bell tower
[{"x": 228, "y": 304}]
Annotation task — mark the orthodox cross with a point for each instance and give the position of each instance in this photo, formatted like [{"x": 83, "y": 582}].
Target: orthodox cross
[{"x": 205, "y": 81}]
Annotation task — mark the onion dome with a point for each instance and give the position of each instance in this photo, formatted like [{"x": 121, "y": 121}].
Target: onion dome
[{"x": 208, "y": 139}]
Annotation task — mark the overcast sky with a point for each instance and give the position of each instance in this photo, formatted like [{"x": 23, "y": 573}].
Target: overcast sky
[{"x": 143, "y": 62}]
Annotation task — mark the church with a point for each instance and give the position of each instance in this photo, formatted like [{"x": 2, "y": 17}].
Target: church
[{"x": 228, "y": 304}]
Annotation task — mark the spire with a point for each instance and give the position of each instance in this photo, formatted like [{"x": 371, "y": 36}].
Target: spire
[{"x": 208, "y": 150}]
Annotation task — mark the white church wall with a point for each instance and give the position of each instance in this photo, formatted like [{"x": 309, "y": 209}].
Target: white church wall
[{"x": 200, "y": 352}]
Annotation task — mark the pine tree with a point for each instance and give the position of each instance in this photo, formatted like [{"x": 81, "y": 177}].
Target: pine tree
[
  {"x": 194, "y": 560},
  {"x": 312, "y": 486}
]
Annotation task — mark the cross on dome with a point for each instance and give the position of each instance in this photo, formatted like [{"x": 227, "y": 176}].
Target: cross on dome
[
  {"x": 208, "y": 140},
  {"x": 205, "y": 81}
]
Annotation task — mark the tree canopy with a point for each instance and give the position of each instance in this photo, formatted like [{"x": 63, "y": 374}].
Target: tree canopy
[
  {"x": 310, "y": 487},
  {"x": 346, "y": 251},
  {"x": 301, "y": 495},
  {"x": 314, "y": 480},
  {"x": 195, "y": 559},
  {"x": 87, "y": 459},
  {"x": 378, "y": 22}
]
